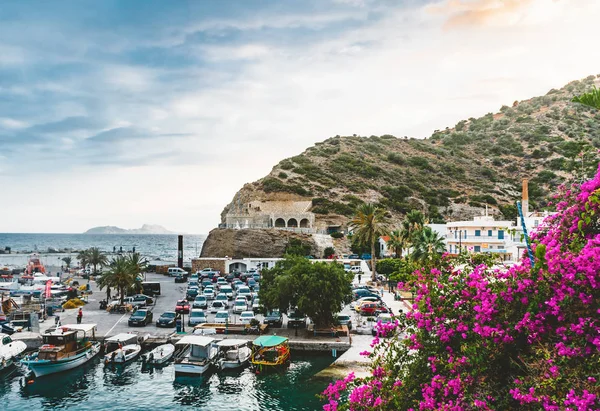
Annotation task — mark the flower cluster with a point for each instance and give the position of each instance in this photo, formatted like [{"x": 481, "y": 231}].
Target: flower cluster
[{"x": 524, "y": 338}]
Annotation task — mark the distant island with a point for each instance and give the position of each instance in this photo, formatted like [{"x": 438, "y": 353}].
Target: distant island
[{"x": 145, "y": 229}]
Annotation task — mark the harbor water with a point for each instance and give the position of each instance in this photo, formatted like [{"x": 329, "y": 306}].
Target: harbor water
[{"x": 98, "y": 387}]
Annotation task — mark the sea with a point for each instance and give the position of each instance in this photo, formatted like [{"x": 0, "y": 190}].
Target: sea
[
  {"x": 95, "y": 386},
  {"x": 157, "y": 248}
]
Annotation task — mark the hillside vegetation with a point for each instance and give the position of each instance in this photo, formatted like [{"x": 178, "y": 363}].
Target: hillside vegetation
[{"x": 455, "y": 172}]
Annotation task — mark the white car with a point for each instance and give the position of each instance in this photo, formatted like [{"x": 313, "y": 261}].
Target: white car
[
  {"x": 223, "y": 298},
  {"x": 228, "y": 291},
  {"x": 209, "y": 294},
  {"x": 245, "y": 292},
  {"x": 256, "y": 305},
  {"x": 221, "y": 282},
  {"x": 246, "y": 317},
  {"x": 217, "y": 306},
  {"x": 239, "y": 306},
  {"x": 222, "y": 317}
]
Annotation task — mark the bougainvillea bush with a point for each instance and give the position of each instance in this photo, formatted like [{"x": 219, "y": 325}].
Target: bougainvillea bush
[{"x": 526, "y": 338}]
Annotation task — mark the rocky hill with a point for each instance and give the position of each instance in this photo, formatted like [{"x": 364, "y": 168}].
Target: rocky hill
[
  {"x": 452, "y": 174},
  {"x": 145, "y": 229}
]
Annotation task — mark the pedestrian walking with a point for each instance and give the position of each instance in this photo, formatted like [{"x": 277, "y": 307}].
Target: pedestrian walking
[
  {"x": 359, "y": 277},
  {"x": 56, "y": 320},
  {"x": 79, "y": 316}
]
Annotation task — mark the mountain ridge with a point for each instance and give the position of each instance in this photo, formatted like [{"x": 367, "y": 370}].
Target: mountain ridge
[{"x": 145, "y": 229}]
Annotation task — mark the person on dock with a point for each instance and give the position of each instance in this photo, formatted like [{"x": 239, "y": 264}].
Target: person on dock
[
  {"x": 79, "y": 315},
  {"x": 56, "y": 320}
]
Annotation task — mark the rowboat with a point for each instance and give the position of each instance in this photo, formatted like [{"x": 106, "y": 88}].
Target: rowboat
[
  {"x": 122, "y": 355},
  {"x": 160, "y": 354}
]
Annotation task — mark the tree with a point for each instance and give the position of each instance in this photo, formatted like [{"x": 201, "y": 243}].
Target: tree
[
  {"x": 297, "y": 247},
  {"x": 328, "y": 252},
  {"x": 396, "y": 242},
  {"x": 122, "y": 274},
  {"x": 369, "y": 223},
  {"x": 428, "y": 246},
  {"x": 96, "y": 258},
  {"x": 318, "y": 290},
  {"x": 590, "y": 99},
  {"x": 67, "y": 261},
  {"x": 84, "y": 258}
]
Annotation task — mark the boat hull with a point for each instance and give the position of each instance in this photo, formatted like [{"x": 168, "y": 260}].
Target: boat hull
[
  {"x": 232, "y": 365},
  {"x": 160, "y": 354},
  {"x": 122, "y": 359},
  {"x": 44, "y": 367},
  {"x": 191, "y": 369}
]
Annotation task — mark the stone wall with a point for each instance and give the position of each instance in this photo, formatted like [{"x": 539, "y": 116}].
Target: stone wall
[{"x": 201, "y": 263}]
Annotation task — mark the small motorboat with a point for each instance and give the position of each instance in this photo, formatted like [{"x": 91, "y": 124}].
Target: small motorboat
[
  {"x": 233, "y": 354},
  {"x": 160, "y": 354},
  {"x": 9, "y": 351},
  {"x": 195, "y": 354},
  {"x": 269, "y": 352},
  {"x": 122, "y": 355}
]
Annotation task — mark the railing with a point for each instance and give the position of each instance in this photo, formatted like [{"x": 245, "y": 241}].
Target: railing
[{"x": 472, "y": 237}]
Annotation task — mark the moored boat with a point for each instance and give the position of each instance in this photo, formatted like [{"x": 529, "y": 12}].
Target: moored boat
[
  {"x": 64, "y": 348},
  {"x": 270, "y": 351},
  {"x": 233, "y": 354},
  {"x": 34, "y": 265},
  {"x": 124, "y": 354},
  {"x": 9, "y": 351},
  {"x": 160, "y": 354},
  {"x": 195, "y": 354}
]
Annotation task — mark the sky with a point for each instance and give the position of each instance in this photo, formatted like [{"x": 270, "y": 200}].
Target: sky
[{"x": 131, "y": 112}]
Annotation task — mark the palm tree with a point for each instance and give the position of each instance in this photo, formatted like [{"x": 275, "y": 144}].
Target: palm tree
[
  {"x": 138, "y": 265},
  {"x": 84, "y": 258},
  {"x": 67, "y": 261},
  {"x": 590, "y": 99},
  {"x": 120, "y": 275},
  {"x": 428, "y": 245},
  {"x": 97, "y": 258},
  {"x": 396, "y": 242},
  {"x": 369, "y": 223}
]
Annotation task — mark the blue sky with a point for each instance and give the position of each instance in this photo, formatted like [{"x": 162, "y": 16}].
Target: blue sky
[{"x": 131, "y": 112}]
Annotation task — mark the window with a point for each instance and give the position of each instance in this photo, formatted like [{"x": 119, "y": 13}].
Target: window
[
  {"x": 500, "y": 234},
  {"x": 477, "y": 248},
  {"x": 489, "y": 233},
  {"x": 477, "y": 233}
]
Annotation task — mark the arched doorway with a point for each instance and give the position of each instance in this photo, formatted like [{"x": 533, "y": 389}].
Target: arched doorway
[
  {"x": 304, "y": 223},
  {"x": 240, "y": 267},
  {"x": 292, "y": 222},
  {"x": 280, "y": 222}
]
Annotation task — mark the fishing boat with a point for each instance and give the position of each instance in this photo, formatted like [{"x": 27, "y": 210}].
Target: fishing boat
[
  {"x": 270, "y": 351},
  {"x": 160, "y": 354},
  {"x": 9, "y": 351},
  {"x": 8, "y": 283},
  {"x": 64, "y": 348},
  {"x": 233, "y": 354},
  {"x": 195, "y": 354},
  {"x": 123, "y": 354}
]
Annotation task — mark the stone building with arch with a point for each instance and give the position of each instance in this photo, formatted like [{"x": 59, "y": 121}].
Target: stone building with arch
[{"x": 286, "y": 215}]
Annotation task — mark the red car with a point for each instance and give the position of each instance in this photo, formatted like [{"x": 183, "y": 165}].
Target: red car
[
  {"x": 182, "y": 307},
  {"x": 373, "y": 309}
]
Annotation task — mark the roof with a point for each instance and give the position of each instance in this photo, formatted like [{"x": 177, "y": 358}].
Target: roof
[
  {"x": 385, "y": 238},
  {"x": 122, "y": 337},
  {"x": 269, "y": 340},
  {"x": 79, "y": 327},
  {"x": 196, "y": 340},
  {"x": 231, "y": 343}
]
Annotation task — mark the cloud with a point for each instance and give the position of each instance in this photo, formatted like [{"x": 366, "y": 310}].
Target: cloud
[{"x": 474, "y": 13}]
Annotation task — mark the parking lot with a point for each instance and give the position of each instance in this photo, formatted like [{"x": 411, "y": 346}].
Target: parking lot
[{"x": 112, "y": 323}]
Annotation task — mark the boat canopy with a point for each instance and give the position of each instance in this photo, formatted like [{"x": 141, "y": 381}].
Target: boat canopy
[
  {"x": 231, "y": 343},
  {"x": 196, "y": 340},
  {"x": 269, "y": 341},
  {"x": 86, "y": 328},
  {"x": 121, "y": 338}
]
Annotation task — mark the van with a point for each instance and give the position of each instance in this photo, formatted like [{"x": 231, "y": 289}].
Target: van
[
  {"x": 175, "y": 271},
  {"x": 151, "y": 288}
]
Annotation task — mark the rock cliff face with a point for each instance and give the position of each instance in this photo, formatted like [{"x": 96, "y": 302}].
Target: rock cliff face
[{"x": 252, "y": 243}]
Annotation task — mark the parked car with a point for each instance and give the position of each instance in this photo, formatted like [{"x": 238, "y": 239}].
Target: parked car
[
  {"x": 180, "y": 278},
  {"x": 360, "y": 293},
  {"x": 251, "y": 283},
  {"x": 139, "y": 300},
  {"x": 229, "y": 277},
  {"x": 217, "y": 306},
  {"x": 205, "y": 283},
  {"x": 256, "y": 277},
  {"x": 223, "y": 298},
  {"x": 358, "y": 302},
  {"x": 239, "y": 306},
  {"x": 221, "y": 282},
  {"x": 167, "y": 319},
  {"x": 192, "y": 293},
  {"x": 296, "y": 319},
  {"x": 182, "y": 306},
  {"x": 369, "y": 308},
  {"x": 196, "y": 317},
  {"x": 274, "y": 319},
  {"x": 245, "y": 292},
  {"x": 209, "y": 294},
  {"x": 200, "y": 302},
  {"x": 343, "y": 319},
  {"x": 175, "y": 271},
  {"x": 383, "y": 318},
  {"x": 237, "y": 283},
  {"x": 193, "y": 283},
  {"x": 222, "y": 317},
  {"x": 140, "y": 317},
  {"x": 256, "y": 307},
  {"x": 228, "y": 291},
  {"x": 246, "y": 317}
]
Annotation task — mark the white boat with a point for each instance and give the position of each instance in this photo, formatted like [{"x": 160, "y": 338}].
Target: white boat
[
  {"x": 160, "y": 354},
  {"x": 117, "y": 341},
  {"x": 64, "y": 348},
  {"x": 195, "y": 354},
  {"x": 233, "y": 354},
  {"x": 9, "y": 351},
  {"x": 9, "y": 283},
  {"x": 122, "y": 355}
]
